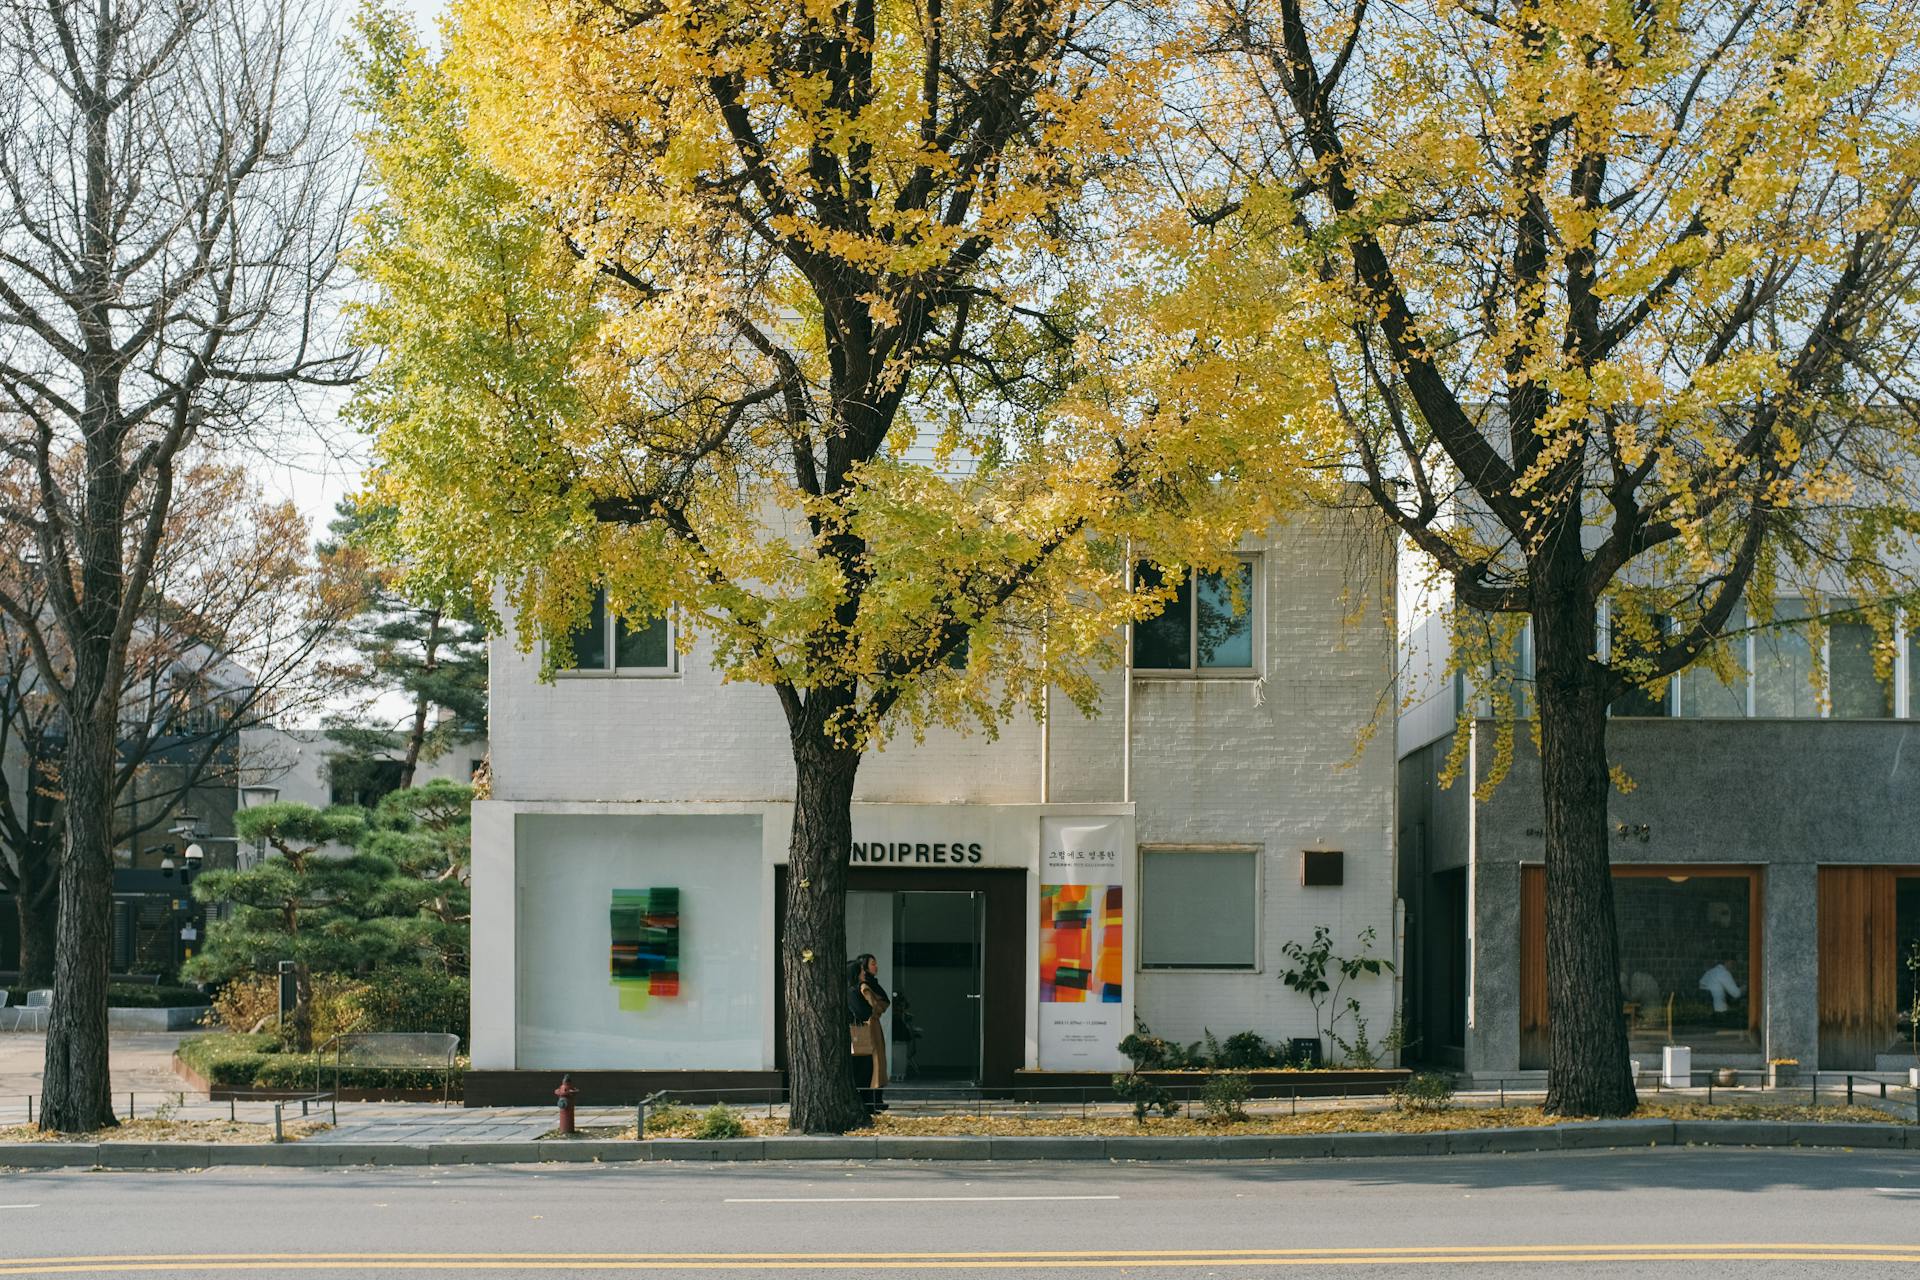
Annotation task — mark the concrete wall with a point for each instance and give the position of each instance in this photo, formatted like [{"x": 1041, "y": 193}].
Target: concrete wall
[
  {"x": 1788, "y": 795},
  {"x": 1285, "y": 758}
]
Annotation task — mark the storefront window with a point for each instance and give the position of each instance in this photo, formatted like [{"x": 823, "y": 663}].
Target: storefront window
[
  {"x": 1197, "y": 908},
  {"x": 1685, "y": 959},
  {"x": 573, "y": 875},
  {"x": 1688, "y": 959},
  {"x": 1859, "y": 692},
  {"x": 1906, "y": 931},
  {"x": 1783, "y": 665}
]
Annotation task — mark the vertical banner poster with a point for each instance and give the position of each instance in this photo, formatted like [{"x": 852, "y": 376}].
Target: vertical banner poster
[{"x": 1086, "y": 1007}]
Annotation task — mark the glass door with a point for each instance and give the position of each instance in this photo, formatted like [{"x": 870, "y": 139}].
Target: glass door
[{"x": 936, "y": 981}]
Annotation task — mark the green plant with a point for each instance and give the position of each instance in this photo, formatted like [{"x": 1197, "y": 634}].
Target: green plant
[
  {"x": 1425, "y": 1091},
  {"x": 1321, "y": 975},
  {"x": 1246, "y": 1050},
  {"x": 1225, "y": 1095},
  {"x": 1152, "y": 1053},
  {"x": 1145, "y": 1096},
  {"x": 721, "y": 1121},
  {"x": 417, "y": 1000}
]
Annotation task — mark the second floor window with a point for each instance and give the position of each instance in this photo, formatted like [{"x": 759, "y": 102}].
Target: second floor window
[
  {"x": 1207, "y": 626},
  {"x": 607, "y": 643}
]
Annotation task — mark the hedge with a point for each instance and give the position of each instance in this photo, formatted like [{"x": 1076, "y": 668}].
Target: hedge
[{"x": 228, "y": 1060}]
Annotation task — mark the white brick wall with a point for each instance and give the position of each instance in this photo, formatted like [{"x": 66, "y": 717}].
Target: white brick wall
[{"x": 1209, "y": 764}]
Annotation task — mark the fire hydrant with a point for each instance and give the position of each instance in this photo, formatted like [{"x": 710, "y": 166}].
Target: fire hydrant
[{"x": 565, "y": 1093}]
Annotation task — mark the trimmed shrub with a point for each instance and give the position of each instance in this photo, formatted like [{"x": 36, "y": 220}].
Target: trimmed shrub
[
  {"x": 256, "y": 1062},
  {"x": 418, "y": 1000}
]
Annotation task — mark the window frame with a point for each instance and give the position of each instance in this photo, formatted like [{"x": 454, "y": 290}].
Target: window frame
[
  {"x": 1257, "y": 636},
  {"x": 610, "y": 650},
  {"x": 1202, "y": 848}
]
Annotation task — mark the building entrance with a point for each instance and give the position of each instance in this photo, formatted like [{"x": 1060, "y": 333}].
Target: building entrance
[
  {"x": 956, "y": 944},
  {"x": 930, "y": 945}
]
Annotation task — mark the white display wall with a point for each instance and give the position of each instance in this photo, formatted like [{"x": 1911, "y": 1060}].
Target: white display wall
[{"x": 568, "y": 1011}]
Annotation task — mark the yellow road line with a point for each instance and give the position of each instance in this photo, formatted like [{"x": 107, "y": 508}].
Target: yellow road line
[
  {"x": 864, "y": 1256},
  {"x": 1398, "y": 1255}
]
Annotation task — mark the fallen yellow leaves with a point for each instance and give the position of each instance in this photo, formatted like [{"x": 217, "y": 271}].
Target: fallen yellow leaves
[{"x": 150, "y": 1130}]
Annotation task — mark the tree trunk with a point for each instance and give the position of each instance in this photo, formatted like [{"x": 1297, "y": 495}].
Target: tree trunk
[
  {"x": 76, "y": 1082},
  {"x": 37, "y": 902},
  {"x": 1587, "y": 1038},
  {"x": 814, "y": 946},
  {"x": 417, "y": 736}
]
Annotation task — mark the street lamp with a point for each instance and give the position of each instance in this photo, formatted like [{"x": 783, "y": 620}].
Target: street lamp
[{"x": 255, "y": 797}]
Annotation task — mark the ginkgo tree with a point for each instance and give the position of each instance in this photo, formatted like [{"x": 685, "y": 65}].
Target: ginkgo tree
[
  {"x": 842, "y": 330},
  {"x": 1610, "y": 303}
]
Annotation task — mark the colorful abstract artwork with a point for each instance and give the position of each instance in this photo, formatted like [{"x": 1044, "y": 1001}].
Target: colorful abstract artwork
[
  {"x": 644, "y": 958},
  {"x": 1080, "y": 931}
]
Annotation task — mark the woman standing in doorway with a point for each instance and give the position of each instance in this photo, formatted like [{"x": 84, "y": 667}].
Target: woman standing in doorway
[{"x": 866, "y": 1002}]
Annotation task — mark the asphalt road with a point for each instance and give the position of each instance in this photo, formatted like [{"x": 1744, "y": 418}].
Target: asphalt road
[{"x": 1670, "y": 1212}]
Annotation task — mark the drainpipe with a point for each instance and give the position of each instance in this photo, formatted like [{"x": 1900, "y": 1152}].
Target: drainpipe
[
  {"x": 1046, "y": 740},
  {"x": 1126, "y": 697}
]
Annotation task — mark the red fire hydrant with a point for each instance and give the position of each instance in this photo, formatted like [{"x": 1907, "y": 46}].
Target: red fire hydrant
[{"x": 565, "y": 1093}]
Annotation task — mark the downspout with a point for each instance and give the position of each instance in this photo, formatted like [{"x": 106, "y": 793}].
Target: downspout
[
  {"x": 1126, "y": 696},
  {"x": 1046, "y": 719}
]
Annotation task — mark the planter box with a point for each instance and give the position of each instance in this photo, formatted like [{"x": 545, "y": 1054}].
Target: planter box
[
  {"x": 348, "y": 1093},
  {"x": 1070, "y": 1086},
  {"x": 1782, "y": 1075}
]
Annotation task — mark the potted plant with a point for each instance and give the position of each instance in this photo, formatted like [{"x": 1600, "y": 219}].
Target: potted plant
[{"x": 1781, "y": 1072}]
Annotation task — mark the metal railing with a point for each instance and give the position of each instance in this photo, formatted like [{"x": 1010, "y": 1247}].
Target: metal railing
[{"x": 391, "y": 1051}]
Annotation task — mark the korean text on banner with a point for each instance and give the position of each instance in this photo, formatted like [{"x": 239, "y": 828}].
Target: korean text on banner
[{"x": 1086, "y": 1006}]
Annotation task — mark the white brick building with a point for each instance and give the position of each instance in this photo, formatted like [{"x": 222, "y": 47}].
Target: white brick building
[{"x": 1206, "y": 787}]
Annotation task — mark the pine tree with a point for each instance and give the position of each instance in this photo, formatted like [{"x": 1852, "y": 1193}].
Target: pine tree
[
  {"x": 419, "y": 646},
  {"x": 324, "y": 912}
]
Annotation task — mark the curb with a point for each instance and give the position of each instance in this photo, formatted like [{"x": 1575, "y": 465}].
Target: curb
[{"x": 1591, "y": 1136}]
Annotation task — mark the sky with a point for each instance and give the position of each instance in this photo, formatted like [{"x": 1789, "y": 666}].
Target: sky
[{"x": 317, "y": 463}]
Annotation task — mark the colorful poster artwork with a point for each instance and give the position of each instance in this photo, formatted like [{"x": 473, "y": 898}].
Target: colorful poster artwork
[
  {"x": 1085, "y": 1000},
  {"x": 1080, "y": 935},
  {"x": 644, "y": 955}
]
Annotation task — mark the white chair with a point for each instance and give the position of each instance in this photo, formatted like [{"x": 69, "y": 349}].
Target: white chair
[{"x": 9, "y": 1013}]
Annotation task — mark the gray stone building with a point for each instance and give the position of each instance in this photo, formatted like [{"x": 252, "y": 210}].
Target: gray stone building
[{"x": 1766, "y": 868}]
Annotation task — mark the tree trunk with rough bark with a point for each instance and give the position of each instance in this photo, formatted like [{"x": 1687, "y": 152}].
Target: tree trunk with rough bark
[
  {"x": 76, "y": 1084},
  {"x": 37, "y": 903},
  {"x": 1587, "y": 1038},
  {"x": 417, "y": 734},
  {"x": 814, "y": 943}
]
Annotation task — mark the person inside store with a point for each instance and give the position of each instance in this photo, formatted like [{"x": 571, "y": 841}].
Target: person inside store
[{"x": 1718, "y": 983}]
